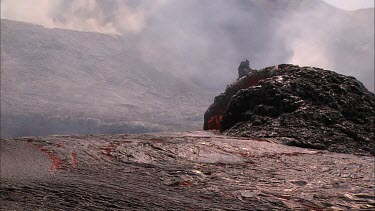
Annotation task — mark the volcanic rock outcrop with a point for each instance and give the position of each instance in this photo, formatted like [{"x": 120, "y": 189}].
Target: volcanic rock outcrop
[
  {"x": 299, "y": 106},
  {"x": 244, "y": 68}
]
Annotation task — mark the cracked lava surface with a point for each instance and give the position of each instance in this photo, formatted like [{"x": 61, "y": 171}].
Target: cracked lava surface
[{"x": 179, "y": 171}]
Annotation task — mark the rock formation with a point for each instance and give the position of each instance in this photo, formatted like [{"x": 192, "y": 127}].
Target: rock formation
[
  {"x": 301, "y": 106},
  {"x": 244, "y": 68}
]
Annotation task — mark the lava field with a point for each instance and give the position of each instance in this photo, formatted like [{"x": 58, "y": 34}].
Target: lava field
[{"x": 198, "y": 170}]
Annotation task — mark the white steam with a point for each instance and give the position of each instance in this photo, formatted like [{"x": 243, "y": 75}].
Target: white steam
[
  {"x": 29, "y": 11},
  {"x": 80, "y": 15},
  {"x": 202, "y": 39}
]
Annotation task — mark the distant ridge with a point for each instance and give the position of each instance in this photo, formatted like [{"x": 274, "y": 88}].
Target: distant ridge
[{"x": 82, "y": 82}]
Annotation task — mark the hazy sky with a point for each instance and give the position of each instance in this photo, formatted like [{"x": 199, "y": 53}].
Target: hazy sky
[{"x": 351, "y": 4}]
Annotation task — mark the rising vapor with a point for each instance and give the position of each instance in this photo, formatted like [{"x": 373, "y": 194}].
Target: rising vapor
[
  {"x": 147, "y": 54},
  {"x": 209, "y": 38}
]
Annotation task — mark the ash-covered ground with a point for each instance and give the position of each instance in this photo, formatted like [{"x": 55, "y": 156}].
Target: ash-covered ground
[{"x": 179, "y": 171}]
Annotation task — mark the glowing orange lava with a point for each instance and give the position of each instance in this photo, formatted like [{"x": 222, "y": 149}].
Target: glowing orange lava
[{"x": 215, "y": 122}]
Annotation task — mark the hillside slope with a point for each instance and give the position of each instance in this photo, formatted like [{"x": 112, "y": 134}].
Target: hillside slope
[
  {"x": 68, "y": 75},
  {"x": 56, "y": 81}
]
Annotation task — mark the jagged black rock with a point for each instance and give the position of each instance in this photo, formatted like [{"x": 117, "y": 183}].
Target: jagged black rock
[{"x": 300, "y": 106}]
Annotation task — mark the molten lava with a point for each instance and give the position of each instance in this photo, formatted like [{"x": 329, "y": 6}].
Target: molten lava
[{"x": 215, "y": 123}]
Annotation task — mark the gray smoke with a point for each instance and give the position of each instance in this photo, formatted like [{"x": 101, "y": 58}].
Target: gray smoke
[{"x": 204, "y": 41}]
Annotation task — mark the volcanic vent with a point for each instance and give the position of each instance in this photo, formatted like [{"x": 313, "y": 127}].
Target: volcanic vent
[{"x": 300, "y": 106}]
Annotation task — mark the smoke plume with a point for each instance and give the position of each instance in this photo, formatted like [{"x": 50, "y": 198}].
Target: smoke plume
[{"x": 203, "y": 39}]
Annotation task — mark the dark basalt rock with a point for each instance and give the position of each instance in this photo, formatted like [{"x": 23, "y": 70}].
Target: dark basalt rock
[
  {"x": 244, "y": 68},
  {"x": 300, "y": 106},
  {"x": 213, "y": 115}
]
